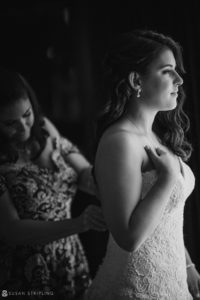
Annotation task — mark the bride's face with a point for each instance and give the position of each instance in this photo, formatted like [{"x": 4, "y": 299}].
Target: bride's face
[{"x": 161, "y": 82}]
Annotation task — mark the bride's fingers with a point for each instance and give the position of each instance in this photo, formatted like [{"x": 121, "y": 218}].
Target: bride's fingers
[
  {"x": 160, "y": 151},
  {"x": 151, "y": 153},
  {"x": 154, "y": 154}
]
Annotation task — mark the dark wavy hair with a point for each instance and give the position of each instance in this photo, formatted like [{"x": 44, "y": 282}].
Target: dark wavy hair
[
  {"x": 14, "y": 87},
  {"x": 135, "y": 51}
]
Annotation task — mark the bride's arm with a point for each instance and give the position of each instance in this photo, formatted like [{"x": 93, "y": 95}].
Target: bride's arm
[
  {"x": 118, "y": 172},
  {"x": 189, "y": 263}
]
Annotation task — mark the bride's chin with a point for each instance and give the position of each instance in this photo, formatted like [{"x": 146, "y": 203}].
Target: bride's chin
[{"x": 172, "y": 105}]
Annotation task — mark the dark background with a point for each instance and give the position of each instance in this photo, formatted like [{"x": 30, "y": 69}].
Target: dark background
[{"x": 59, "y": 45}]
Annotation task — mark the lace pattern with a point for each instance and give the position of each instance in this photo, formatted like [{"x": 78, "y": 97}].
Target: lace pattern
[{"x": 157, "y": 270}]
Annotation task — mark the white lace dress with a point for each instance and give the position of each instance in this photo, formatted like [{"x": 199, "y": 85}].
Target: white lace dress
[{"x": 157, "y": 270}]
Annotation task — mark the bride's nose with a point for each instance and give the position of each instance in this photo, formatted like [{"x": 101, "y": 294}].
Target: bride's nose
[{"x": 178, "y": 80}]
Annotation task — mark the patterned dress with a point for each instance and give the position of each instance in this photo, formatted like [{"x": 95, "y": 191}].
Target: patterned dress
[
  {"x": 157, "y": 269},
  {"x": 58, "y": 269}
]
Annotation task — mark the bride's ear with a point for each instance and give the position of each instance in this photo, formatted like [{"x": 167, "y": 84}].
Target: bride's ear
[{"x": 134, "y": 80}]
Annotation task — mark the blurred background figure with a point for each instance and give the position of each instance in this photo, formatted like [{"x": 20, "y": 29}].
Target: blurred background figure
[{"x": 40, "y": 172}]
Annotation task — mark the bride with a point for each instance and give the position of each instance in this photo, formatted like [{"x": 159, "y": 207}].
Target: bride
[{"x": 141, "y": 174}]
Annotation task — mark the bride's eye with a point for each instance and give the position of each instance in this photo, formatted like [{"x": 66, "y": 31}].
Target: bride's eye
[{"x": 167, "y": 71}]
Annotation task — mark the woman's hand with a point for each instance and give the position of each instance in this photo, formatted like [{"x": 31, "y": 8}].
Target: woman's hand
[
  {"x": 193, "y": 279},
  {"x": 163, "y": 162},
  {"x": 93, "y": 218}
]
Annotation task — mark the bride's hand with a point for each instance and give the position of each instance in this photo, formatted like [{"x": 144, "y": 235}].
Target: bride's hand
[{"x": 163, "y": 162}]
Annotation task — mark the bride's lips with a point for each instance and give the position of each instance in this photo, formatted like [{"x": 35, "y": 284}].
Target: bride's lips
[{"x": 175, "y": 93}]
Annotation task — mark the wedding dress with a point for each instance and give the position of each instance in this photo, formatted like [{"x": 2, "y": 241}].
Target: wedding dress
[{"x": 157, "y": 270}]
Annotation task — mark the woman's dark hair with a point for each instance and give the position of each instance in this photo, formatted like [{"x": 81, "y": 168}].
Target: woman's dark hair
[
  {"x": 135, "y": 51},
  {"x": 14, "y": 87}
]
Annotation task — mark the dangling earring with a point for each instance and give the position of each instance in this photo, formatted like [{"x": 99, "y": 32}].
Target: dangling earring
[{"x": 138, "y": 92}]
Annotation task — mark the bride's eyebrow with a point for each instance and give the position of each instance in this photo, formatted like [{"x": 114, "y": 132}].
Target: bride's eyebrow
[{"x": 166, "y": 65}]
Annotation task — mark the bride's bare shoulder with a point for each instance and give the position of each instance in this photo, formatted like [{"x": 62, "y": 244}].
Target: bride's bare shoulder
[{"x": 121, "y": 141}]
